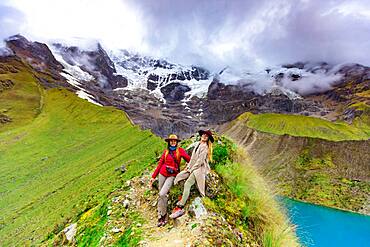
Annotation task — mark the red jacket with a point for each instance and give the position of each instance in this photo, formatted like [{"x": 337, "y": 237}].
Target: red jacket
[{"x": 168, "y": 160}]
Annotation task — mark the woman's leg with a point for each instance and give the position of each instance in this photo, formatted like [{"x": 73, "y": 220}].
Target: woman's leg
[
  {"x": 161, "y": 180},
  {"x": 181, "y": 176},
  {"x": 187, "y": 186},
  {"x": 162, "y": 200}
]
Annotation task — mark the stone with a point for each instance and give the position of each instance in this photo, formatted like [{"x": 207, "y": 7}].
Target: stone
[
  {"x": 197, "y": 208},
  {"x": 122, "y": 168},
  {"x": 116, "y": 230},
  {"x": 126, "y": 203},
  {"x": 143, "y": 243},
  {"x": 44, "y": 158},
  {"x": 70, "y": 232}
]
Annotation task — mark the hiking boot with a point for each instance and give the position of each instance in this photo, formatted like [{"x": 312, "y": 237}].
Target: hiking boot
[
  {"x": 177, "y": 212},
  {"x": 162, "y": 221}
]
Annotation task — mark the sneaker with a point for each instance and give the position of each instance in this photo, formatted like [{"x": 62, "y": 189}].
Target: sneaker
[{"x": 177, "y": 212}]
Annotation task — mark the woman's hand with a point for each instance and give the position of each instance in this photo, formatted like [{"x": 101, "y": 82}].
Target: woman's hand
[{"x": 151, "y": 182}]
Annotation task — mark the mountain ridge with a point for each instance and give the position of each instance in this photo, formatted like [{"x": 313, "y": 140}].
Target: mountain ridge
[{"x": 182, "y": 98}]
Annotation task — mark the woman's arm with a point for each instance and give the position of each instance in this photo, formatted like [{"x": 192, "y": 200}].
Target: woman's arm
[
  {"x": 184, "y": 155},
  {"x": 160, "y": 163}
]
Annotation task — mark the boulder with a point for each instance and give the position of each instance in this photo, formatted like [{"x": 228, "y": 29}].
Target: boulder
[
  {"x": 197, "y": 208},
  {"x": 126, "y": 203},
  {"x": 70, "y": 232},
  {"x": 174, "y": 91}
]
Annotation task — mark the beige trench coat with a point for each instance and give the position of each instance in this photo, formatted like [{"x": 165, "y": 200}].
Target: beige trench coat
[{"x": 198, "y": 165}]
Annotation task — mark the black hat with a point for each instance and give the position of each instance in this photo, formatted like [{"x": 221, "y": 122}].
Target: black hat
[{"x": 208, "y": 132}]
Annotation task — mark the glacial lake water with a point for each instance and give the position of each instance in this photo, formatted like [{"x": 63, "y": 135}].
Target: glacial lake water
[{"x": 326, "y": 227}]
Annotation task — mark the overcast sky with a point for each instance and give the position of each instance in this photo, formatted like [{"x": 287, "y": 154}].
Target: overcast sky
[{"x": 215, "y": 33}]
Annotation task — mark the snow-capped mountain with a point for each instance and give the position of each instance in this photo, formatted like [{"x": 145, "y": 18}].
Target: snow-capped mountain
[
  {"x": 168, "y": 97},
  {"x": 160, "y": 76}
]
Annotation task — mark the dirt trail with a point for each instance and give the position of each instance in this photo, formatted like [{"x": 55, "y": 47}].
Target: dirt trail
[
  {"x": 176, "y": 233},
  {"x": 184, "y": 231}
]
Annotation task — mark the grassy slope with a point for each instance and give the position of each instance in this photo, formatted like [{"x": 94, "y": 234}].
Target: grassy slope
[
  {"x": 297, "y": 125},
  {"x": 254, "y": 200},
  {"x": 23, "y": 102},
  {"x": 63, "y": 163}
]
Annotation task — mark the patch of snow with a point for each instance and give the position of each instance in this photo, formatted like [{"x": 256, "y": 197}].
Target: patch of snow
[
  {"x": 74, "y": 75},
  {"x": 84, "y": 95},
  {"x": 198, "y": 88}
]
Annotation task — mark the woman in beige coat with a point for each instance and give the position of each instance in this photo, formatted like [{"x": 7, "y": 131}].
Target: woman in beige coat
[{"x": 196, "y": 170}]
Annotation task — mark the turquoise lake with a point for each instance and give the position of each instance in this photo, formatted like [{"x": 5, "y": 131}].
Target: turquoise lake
[{"x": 325, "y": 227}]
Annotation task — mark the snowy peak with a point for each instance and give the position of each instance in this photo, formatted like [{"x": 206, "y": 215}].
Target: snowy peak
[
  {"x": 164, "y": 79},
  {"x": 95, "y": 63}
]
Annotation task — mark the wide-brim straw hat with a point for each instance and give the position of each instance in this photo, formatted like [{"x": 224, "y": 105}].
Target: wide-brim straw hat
[
  {"x": 208, "y": 132},
  {"x": 172, "y": 137}
]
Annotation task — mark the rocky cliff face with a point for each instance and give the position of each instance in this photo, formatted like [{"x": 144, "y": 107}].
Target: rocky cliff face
[
  {"x": 37, "y": 54},
  {"x": 334, "y": 174}
]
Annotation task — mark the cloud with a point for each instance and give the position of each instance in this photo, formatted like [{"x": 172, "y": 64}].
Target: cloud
[
  {"x": 112, "y": 22},
  {"x": 247, "y": 34},
  {"x": 258, "y": 33},
  {"x": 10, "y": 18}
]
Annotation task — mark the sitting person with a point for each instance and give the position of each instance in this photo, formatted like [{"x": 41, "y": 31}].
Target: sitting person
[
  {"x": 196, "y": 170},
  {"x": 168, "y": 167}
]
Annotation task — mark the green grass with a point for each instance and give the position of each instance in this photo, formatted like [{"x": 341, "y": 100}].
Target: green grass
[
  {"x": 256, "y": 203},
  {"x": 297, "y": 125},
  {"x": 21, "y": 103},
  {"x": 62, "y": 163},
  {"x": 248, "y": 202},
  {"x": 363, "y": 121},
  {"x": 315, "y": 182}
]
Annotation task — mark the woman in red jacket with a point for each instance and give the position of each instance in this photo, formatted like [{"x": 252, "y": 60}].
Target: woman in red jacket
[{"x": 168, "y": 167}]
